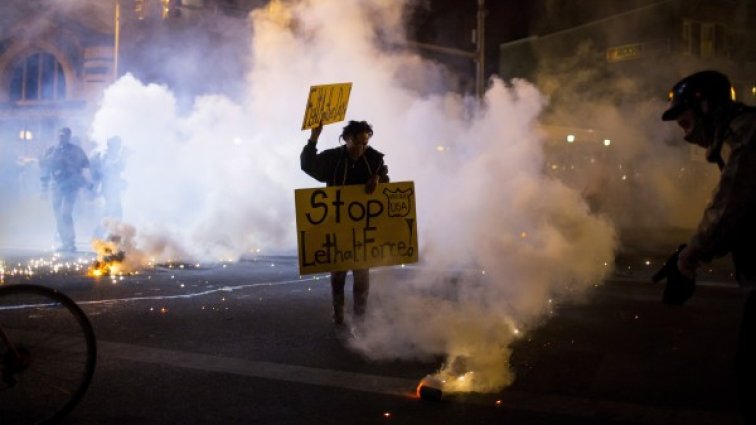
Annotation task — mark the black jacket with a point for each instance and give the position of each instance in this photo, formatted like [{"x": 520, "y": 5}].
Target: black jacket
[{"x": 334, "y": 167}]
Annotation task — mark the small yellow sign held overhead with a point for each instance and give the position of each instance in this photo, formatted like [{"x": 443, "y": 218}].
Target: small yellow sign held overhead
[{"x": 327, "y": 104}]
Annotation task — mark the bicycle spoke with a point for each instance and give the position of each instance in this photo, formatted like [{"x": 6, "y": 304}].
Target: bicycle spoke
[{"x": 54, "y": 355}]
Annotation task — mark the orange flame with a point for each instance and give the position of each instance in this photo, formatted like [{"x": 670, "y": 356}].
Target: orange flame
[{"x": 109, "y": 259}]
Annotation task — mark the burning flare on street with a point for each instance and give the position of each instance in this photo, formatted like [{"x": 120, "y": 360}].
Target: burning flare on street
[
  {"x": 454, "y": 377},
  {"x": 110, "y": 258}
]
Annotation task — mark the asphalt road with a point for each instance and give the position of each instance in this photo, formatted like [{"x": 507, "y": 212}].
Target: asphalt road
[{"x": 251, "y": 342}]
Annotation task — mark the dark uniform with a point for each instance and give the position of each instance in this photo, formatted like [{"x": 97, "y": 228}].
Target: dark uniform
[
  {"x": 727, "y": 130},
  {"x": 62, "y": 167},
  {"x": 107, "y": 168},
  {"x": 335, "y": 168},
  {"x": 729, "y": 225},
  {"x": 729, "y": 221}
]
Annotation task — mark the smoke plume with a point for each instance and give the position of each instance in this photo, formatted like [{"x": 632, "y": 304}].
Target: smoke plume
[
  {"x": 500, "y": 239},
  {"x": 513, "y": 239}
]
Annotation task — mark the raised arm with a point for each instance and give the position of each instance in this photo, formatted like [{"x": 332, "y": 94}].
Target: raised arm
[{"x": 316, "y": 166}]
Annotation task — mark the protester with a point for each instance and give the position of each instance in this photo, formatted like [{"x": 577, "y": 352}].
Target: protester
[
  {"x": 704, "y": 107},
  {"x": 353, "y": 163}
]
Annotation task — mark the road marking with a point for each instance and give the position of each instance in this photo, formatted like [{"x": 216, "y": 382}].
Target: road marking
[
  {"x": 614, "y": 411},
  {"x": 196, "y": 294},
  {"x": 259, "y": 369}
]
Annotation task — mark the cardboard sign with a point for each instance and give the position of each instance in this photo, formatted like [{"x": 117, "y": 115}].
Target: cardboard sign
[
  {"x": 326, "y": 104},
  {"x": 344, "y": 228}
]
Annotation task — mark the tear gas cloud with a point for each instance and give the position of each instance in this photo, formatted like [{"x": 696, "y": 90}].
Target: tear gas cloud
[
  {"x": 219, "y": 178},
  {"x": 216, "y": 181},
  {"x": 648, "y": 178}
]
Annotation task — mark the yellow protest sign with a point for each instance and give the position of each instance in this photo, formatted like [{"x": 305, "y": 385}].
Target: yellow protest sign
[
  {"x": 327, "y": 104},
  {"x": 344, "y": 228}
]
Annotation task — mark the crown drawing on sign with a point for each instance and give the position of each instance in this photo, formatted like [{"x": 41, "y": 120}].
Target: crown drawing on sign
[{"x": 399, "y": 202}]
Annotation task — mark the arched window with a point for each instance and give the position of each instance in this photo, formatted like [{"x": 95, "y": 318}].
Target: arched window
[{"x": 38, "y": 77}]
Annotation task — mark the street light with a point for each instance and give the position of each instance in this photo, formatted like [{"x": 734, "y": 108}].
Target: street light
[{"x": 25, "y": 135}]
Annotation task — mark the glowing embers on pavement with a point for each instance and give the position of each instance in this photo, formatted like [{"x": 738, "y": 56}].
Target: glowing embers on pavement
[{"x": 52, "y": 265}]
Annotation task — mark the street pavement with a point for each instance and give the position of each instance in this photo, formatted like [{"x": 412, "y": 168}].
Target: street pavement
[{"x": 251, "y": 342}]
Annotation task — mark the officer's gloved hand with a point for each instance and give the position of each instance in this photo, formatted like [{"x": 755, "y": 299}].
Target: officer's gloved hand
[{"x": 679, "y": 288}]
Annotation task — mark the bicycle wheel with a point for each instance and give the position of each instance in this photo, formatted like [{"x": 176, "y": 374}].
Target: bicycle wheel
[{"x": 47, "y": 357}]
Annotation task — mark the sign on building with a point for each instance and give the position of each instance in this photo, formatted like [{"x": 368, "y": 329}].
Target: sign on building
[
  {"x": 624, "y": 52},
  {"x": 344, "y": 228},
  {"x": 327, "y": 104}
]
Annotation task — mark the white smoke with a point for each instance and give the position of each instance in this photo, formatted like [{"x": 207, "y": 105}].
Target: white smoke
[
  {"x": 647, "y": 177},
  {"x": 218, "y": 180},
  {"x": 517, "y": 240}
]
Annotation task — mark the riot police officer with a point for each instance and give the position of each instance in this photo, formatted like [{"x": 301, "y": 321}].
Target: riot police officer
[
  {"x": 62, "y": 172},
  {"x": 703, "y": 105}
]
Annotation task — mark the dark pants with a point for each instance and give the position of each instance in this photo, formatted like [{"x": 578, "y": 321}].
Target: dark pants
[
  {"x": 746, "y": 361},
  {"x": 360, "y": 292},
  {"x": 63, "y": 201}
]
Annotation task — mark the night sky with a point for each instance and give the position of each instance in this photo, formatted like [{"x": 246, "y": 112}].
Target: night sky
[{"x": 450, "y": 23}]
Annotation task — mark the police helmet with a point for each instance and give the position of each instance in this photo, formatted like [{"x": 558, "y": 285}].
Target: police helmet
[{"x": 711, "y": 86}]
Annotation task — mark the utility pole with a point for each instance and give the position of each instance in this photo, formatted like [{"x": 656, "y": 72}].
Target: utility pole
[
  {"x": 116, "y": 38},
  {"x": 480, "y": 50},
  {"x": 478, "y": 55}
]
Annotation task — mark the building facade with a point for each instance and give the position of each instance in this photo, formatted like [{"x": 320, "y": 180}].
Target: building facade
[
  {"x": 52, "y": 70},
  {"x": 607, "y": 75},
  {"x": 55, "y": 62},
  {"x": 654, "y": 43}
]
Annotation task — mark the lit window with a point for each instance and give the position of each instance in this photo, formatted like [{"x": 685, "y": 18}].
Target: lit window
[
  {"x": 139, "y": 9},
  {"x": 708, "y": 40},
  {"x": 25, "y": 135},
  {"x": 38, "y": 77}
]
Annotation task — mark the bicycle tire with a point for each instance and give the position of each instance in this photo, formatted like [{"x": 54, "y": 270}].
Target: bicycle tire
[{"x": 56, "y": 340}]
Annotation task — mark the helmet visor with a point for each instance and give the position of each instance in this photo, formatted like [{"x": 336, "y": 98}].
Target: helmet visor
[{"x": 677, "y": 103}]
